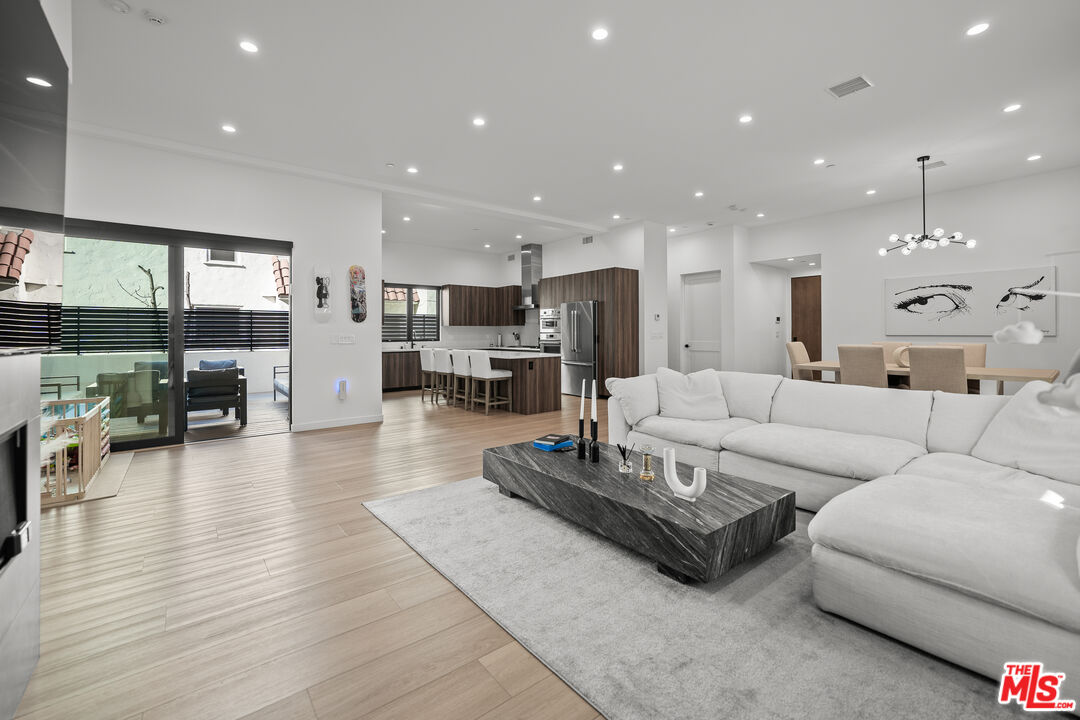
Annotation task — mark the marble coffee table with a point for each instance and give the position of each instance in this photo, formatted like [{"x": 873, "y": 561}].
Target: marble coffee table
[{"x": 733, "y": 520}]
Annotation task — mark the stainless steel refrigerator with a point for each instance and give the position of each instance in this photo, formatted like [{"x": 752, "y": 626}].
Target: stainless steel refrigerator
[{"x": 579, "y": 340}]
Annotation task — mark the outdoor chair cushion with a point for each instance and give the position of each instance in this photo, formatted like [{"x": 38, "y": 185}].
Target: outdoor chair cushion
[
  {"x": 207, "y": 383},
  {"x": 216, "y": 364}
]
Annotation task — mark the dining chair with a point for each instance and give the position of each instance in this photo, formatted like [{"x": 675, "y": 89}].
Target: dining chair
[
  {"x": 797, "y": 354},
  {"x": 862, "y": 365},
  {"x": 974, "y": 356},
  {"x": 444, "y": 372},
  {"x": 427, "y": 373},
  {"x": 890, "y": 347},
  {"x": 484, "y": 374},
  {"x": 938, "y": 368},
  {"x": 462, "y": 373}
]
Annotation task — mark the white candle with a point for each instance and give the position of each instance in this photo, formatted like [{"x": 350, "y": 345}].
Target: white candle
[
  {"x": 582, "y": 415},
  {"x": 594, "y": 400}
]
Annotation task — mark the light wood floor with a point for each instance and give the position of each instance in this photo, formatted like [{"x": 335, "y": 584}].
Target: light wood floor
[{"x": 244, "y": 579}]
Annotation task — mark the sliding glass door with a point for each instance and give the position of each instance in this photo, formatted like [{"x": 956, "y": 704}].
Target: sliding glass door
[{"x": 115, "y": 339}]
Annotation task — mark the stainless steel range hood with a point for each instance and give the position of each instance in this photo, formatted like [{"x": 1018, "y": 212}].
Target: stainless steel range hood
[{"x": 532, "y": 265}]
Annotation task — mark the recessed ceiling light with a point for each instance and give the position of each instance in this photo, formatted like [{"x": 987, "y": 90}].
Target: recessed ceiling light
[
  {"x": 599, "y": 33},
  {"x": 978, "y": 29},
  {"x": 671, "y": 229},
  {"x": 746, "y": 118},
  {"x": 699, "y": 194},
  {"x": 248, "y": 46},
  {"x": 537, "y": 198},
  {"x": 228, "y": 128},
  {"x": 1033, "y": 158},
  {"x": 412, "y": 170},
  {"x": 761, "y": 214},
  {"x": 38, "y": 81},
  {"x": 487, "y": 245},
  {"x": 119, "y": 6},
  {"x": 1011, "y": 108},
  {"x": 871, "y": 192},
  {"x": 384, "y": 231},
  {"x": 616, "y": 216},
  {"x": 479, "y": 121},
  {"x": 617, "y": 167},
  {"x": 791, "y": 259},
  {"x": 389, "y": 165},
  {"x": 812, "y": 264},
  {"x": 518, "y": 237},
  {"x": 407, "y": 218},
  {"x": 819, "y": 161}
]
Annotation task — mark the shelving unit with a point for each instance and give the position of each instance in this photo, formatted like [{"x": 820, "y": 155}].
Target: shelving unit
[{"x": 75, "y": 444}]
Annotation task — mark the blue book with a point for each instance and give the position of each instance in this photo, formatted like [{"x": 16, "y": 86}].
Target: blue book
[{"x": 551, "y": 443}]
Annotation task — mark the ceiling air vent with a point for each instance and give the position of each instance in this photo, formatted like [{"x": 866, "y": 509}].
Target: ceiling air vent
[
  {"x": 847, "y": 87},
  {"x": 935, "y": 165},
  {"x": 587, "y": 240}
]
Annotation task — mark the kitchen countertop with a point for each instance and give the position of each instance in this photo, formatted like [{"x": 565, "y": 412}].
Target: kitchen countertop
[
  {"x": 534, "y": 352},
  {"x": 520, "y": 355}
]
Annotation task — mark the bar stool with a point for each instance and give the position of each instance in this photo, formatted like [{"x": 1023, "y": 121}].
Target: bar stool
[
  {"x": 444, "y": 371},
  {"x": 482, "y": 373},
  {"x": 462, "y": 372},
  {"x": 427, "y": 373}
]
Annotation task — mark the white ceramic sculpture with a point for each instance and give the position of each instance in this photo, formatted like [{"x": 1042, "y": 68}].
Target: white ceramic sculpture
[{"x": 689, "y": 492}]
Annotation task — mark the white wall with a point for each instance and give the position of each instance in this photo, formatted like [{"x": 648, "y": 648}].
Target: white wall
[
  {"x": 331, "y": 225},
  {"x": 1019, "y": 223}
]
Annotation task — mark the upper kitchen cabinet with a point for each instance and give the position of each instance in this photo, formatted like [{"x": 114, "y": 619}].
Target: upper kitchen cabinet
[{"x": 472, "y": 305}]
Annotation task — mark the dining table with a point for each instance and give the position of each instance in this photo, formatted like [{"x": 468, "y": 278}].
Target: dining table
[{"x": 1001, "y": 375}]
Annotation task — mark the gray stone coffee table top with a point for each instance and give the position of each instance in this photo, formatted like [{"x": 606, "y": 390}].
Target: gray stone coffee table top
[{"x": 734, "y": 519}]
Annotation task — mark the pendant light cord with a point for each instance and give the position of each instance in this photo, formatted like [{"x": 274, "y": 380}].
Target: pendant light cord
[{"x": 924, "y": 198}]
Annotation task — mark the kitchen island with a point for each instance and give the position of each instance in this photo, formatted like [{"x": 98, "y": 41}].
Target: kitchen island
[{"x": 537, "y": 379}]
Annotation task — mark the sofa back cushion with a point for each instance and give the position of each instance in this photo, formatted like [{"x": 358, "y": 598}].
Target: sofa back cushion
[
  {"x": 216, "y": 364},
  {"x": 958, "y": 421},
  {"x": 697, "y": 396},
  {"x": 1031, "y": 436},
  {"x": 637, "y": 397},
  {"x": 749, "y": 395},
  {"x": 900, "y": 414}
]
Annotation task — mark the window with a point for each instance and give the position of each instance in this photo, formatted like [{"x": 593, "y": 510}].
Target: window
[
  {"x": 221, "y": 257},
  {"x": 410, "y": 313}
]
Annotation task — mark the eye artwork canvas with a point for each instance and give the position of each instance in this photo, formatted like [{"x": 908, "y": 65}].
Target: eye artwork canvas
[{"x": 970, "y": 303}]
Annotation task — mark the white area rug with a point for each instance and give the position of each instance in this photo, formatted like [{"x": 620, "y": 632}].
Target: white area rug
[{"x": 638, "y": 645}]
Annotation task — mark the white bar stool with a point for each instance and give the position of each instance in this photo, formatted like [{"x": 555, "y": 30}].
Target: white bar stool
[
  {"x": 427, "y": 373},
  {"x": 462, "y": 372},
  {"x": 482, "y": 373},
  {"x": 444, "y": 371}
]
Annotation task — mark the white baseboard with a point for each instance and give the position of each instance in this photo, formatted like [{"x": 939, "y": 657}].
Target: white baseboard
[{"x": 336, "y": 422}]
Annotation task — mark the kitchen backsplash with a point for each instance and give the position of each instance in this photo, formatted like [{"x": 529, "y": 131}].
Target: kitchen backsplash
[{"x": 479, "y": 337}]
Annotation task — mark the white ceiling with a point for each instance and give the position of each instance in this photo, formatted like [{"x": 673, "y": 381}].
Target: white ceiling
[
  {"x": 797, "y": 264},
  {"x": 345, "y": 86}
]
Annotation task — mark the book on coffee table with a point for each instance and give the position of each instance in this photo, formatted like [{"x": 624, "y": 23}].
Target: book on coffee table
[{"x": 551, "y": 443}]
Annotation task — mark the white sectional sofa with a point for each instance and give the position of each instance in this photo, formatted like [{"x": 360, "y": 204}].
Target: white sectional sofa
[{"x": 951, "y": 522}]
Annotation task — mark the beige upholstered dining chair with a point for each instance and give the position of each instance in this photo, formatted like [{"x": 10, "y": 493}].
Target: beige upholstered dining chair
[
  {"x": 974, "y": 356},
  {"x": 938, "y": 368},
  {"x": 863, "y": 365},
  {"x": 890, "y": 348},
  {"x": 797, "y": 354}
]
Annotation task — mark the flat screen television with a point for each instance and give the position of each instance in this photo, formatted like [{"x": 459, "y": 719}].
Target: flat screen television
[{"x": 13, "y": 500}]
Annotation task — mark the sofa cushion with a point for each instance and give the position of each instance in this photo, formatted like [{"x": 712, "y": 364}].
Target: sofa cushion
[
  {"x": 1028, "y": 435},
  {"x": 216, "y": 364},
  {"x": 703, "y": 433},
  {"x": 689, "y": 454},
  {"x": 862, "y": 457},
  {"x": 749, "y": 395},
  {"x": 957, "y": 421},
  {"x": 637, "y": 396},
  {"x": 1013, "y": 548},
  {"x": 964, "y": 468},
  {"x": 899, "y": 414},
  {"x": 812, "y": 489},
  {"x": 697, "y": 396}
]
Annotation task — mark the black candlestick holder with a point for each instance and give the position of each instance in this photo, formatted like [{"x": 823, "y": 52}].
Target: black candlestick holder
[
  {"x": 594, "y": 455},
  {"x": 581, "y": 445}
]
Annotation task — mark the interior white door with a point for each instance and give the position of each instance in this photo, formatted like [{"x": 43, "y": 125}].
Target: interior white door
[{"x": 700, "y": 321}]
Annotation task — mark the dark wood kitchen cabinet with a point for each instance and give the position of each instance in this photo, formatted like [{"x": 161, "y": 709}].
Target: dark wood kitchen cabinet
[
  {"x": 474, "y": 305},
  {"x": 400, "y": 370},
  {"x": 616, "y": 289}
]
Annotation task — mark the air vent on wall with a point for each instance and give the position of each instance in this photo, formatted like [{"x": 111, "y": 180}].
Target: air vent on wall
[
  {"x": 847, "y": 87},
  {"x": 587, "y": 240},
  {"x": 936, "y": 164}
]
